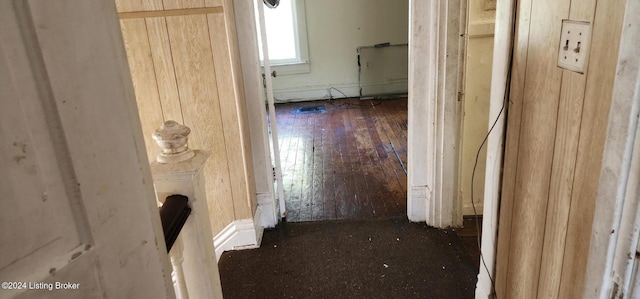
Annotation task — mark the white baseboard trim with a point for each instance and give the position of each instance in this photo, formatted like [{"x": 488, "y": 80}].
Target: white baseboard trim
[
  {"x": 239, "y": 235},
  {"x": 467, "y": 209},
  {"x": 267, "y": 210},
  {"x": 391, "y": 87},
  {"x": 417, "y": 200},
  {"x": 312, "y": 93},
  {"x": 321, "y": 92}
]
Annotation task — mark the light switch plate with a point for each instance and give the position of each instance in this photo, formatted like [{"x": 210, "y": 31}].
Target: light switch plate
[{"x": 574, "y": 45}]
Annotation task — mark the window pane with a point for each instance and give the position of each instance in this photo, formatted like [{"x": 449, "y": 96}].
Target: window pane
[{"x": 280, "y": 32}]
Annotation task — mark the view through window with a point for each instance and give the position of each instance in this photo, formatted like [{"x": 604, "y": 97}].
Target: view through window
[{"x": 283, "y": 33}]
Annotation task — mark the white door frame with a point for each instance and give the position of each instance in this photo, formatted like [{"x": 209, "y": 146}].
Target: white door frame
[
  {"x": 434, "y": 116},
  {"x": 273, "y": 123},
  {"x": 257, "y": 114},
  {"x": 502, "y": 51},
  {"x": 436, "y": 44},
  {"x": 614, "y": 238}
]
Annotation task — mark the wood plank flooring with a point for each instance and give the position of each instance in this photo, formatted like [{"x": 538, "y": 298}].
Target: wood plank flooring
[{"x": 345, "y": 163}]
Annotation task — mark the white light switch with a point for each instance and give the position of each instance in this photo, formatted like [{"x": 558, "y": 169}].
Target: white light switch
[{"x": 574, "y": 45}]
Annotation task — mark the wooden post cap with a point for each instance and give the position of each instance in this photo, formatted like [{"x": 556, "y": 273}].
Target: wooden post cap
[{"x": 172, "y": 138}]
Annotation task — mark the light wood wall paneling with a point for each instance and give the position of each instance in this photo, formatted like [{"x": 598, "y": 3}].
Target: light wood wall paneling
[
  {"x": 138, "y": 5},
  {"x": 226, "y": 3},
  {"x": 564, "y": 159},
  {"x": 169, "y": 13},
  {"x": 514, "y": 119},
  {"x": 138, "y": 50},
  {"x": 606, "y": 28},
  {"x": 193, "y": 60},
  {"x": 537, "y": 136},
  {"x": 241, "y": 100},
  {"x": 230, "y": 115},
  {"x": 164, "y": 69},
  {"x": 182, "y": 4},
  {"x": 238, "y": 82}
]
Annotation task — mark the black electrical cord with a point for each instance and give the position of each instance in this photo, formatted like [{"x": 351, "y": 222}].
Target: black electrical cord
[
  {"x": 331, "y": 98},
  {"x": 348, "y": 102},
  {"x": 473, "y": 173}
]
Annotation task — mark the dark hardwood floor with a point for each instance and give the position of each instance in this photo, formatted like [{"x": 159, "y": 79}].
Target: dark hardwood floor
[
  {"x": 345, "y": 163},
  {"x": 468, "y": 234}
]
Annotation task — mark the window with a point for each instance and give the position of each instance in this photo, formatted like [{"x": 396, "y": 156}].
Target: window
[{"x": 286, "y": 36}]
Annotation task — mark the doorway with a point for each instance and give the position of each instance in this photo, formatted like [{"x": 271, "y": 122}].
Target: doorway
[
  {"x": 349, "y": 160},
  {"x": 475, "y": 107},
  {"x": 434, "y": 123}
]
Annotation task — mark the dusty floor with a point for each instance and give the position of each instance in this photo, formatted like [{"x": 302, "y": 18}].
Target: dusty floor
[{"x": 374, "y": 258}]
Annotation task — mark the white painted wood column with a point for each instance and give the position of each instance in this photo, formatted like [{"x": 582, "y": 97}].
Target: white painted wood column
[
  {"x": 434, "y": 111},
  {"x": 177, "y": 170},
  {"x": 422, "y": 92},
  {"x": 272, "y": 111},
  {"x": 502, "y": 51},
  {"x": 258, "y": 128}
]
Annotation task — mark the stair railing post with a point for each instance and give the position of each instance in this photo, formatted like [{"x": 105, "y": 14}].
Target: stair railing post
[
  {"x": 177, "y": 170},
  {"x": 177, "y": 276}
]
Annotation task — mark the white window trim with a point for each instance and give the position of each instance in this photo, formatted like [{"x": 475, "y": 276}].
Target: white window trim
[{"x": 301, "y": 64}]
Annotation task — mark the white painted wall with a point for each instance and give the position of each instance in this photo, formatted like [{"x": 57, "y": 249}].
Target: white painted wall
[
  {"x": 335, "y": 29},
  {"x": 476, "y": 103}
]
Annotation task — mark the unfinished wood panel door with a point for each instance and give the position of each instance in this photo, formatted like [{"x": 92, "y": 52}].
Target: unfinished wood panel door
[
  {"x": 563, "y": 168},
  {"x": 537, "y": 134},
  {"x": 598, "y": 93},
  {"x": 181, "y": 60},
  {"x": 555, "y": 137}
]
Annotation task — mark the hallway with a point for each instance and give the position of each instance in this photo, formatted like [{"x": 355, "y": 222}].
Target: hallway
[
  {"x": 371, "y": 258},
  {"x": 345, "y": 163}
]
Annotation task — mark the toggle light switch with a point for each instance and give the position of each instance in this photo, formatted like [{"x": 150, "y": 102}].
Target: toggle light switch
[{"x": 574, "y": 45}]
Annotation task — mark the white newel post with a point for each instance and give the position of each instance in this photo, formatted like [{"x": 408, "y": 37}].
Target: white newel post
[{"x": 177, "y": 171}]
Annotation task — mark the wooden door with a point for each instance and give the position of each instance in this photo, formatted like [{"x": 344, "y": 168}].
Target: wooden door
[
  {"x": 78, "y": 217},
  {"x": 557, "y": 121}
]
